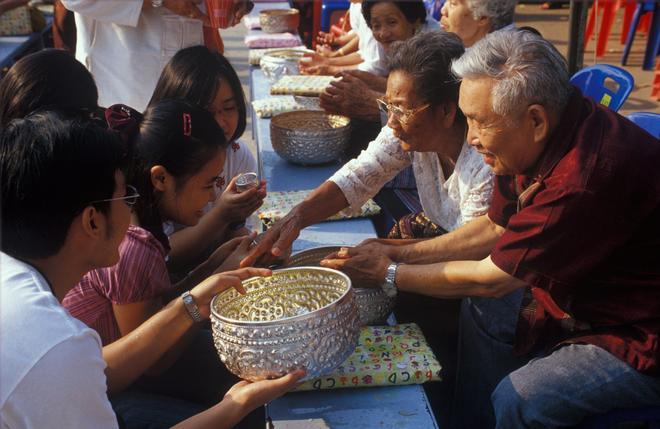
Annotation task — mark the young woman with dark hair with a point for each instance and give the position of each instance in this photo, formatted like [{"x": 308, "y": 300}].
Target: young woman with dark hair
[
  {"x": 177, "y": 150},
  {"x": 47, "y": 79},
  {"x": 207, "y": 79}
]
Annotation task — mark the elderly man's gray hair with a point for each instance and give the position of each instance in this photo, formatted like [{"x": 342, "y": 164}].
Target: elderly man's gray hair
[
  {"x": 500, "y": 12},
  {"x": 427, "y": 58},
  {"x": 527, "y": 69}
]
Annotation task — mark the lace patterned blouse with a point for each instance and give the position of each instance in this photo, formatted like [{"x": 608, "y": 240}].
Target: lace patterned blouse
[{"x": 448, "y": 201}]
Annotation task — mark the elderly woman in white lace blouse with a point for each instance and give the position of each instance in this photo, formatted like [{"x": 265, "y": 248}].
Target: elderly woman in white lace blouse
[{"x": 426, "y": 129}]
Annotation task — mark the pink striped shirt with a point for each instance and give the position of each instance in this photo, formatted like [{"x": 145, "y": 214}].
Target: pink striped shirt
[{"x": 140, "y": 275}]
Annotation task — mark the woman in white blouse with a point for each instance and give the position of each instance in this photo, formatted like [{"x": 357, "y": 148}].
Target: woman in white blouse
[{"x": 425, "y": 128}]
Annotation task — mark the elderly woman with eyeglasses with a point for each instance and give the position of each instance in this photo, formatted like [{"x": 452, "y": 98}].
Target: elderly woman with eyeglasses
[{"x": 425, "y": 128}]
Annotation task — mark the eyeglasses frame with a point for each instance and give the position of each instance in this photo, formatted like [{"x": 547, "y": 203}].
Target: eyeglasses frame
[
  {"x": 126, "y": 198},
  {"x": 404, "y": 116}
]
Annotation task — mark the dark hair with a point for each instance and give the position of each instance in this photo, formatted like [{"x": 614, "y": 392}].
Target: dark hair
[
  {"x": 179, "y": 136},
  {"x": 51, "y": 168},
  {"x": 48, "y": 79},
  {"x": 193, "y": 75},
  {"x": 427, "y": 58},
  {"x": 413, "y": 10}
]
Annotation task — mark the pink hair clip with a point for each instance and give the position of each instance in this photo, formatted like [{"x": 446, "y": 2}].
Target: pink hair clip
[{"x": 187, "y": 125}]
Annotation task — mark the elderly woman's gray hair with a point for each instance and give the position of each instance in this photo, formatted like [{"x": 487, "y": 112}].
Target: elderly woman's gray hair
[
  {"x": 427, "y": 58},
  {"x": 527, "y": 69},
  {"x": 500, "y": 12}
]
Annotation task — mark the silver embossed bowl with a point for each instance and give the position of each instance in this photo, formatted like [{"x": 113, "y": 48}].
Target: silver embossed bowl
[
  {"x": 297, "y": 318},
  {"x": 280, "y": 63},
  {"x": 374, "y": 306},
  {"x": 279, "y": 20},
  {"x": 309, "y": 137}
]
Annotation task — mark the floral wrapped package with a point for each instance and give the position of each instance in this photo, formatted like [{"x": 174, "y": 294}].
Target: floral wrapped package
[
  {"x": 254, "y": 55},
  {"x": 311, "y": 86},
  {"x": 271, "y": 106},
  {"x": 385, "y": 356},
  {"x": 278, "y": 204},
  {"x": 265, "y": 40}
]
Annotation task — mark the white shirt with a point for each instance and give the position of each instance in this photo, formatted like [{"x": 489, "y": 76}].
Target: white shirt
[
  {"x": 373, "y": 56},
  {"x": 126, "y": 48},
  {"x": 377, "y": 58},
  {"x": 448, "y": 201},
  {"x": 51, "y": 366}
]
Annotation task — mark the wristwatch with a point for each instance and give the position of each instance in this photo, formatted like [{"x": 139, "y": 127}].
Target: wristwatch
[
  {"x": 157, "y": 3},
  {"x": 389, "y": 285},
  {"x": 191, "y": 306}
]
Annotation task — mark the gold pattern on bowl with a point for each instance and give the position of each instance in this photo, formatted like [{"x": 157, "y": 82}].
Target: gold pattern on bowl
[
  {"x": 374, "y": 306},
  {"x": 297, "y": 318}
]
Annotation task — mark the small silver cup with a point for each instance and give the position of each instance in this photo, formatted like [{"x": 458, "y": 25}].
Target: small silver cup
[{"x": 247, "y": 181}]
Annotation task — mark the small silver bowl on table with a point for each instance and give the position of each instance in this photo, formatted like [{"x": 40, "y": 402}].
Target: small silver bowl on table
[
  {"x": 309, "y": 137},
  {"x": 297, "y": 318}
]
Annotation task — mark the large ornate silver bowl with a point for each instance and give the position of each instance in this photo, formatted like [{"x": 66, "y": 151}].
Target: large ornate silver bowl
[
  {"x": 374, "y": 306},
  {"x": 297, "y": 318},
  {"x": 309, "y": 137},
  {"x": 279, "y": 20}
]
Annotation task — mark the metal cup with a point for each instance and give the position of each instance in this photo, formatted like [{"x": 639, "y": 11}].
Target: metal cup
[{"x": 247, "y": 181}]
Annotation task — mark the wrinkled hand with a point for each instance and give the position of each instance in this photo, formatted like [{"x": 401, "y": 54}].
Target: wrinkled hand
[
  {"x": 187, "y": 9},
  {"x": 233, "y": 261},
  {"x": 206, "y": 290},
  {"x": 247, "y": 396},
  {"x": 350, "y": 96},
  {"x": 373, "y": 82},
  {"x": 237, "y": 206},
  {"x": 365, "y": 267},
  {"x": 276, "y": 242}
]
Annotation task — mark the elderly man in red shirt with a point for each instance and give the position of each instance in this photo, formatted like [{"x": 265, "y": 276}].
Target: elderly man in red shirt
[{"x": 574, "y": 223}]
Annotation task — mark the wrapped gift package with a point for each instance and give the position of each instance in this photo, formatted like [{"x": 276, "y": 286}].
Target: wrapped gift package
[
  {"x": 278, "y": 204},
  {"x": 385, "y": 356}
]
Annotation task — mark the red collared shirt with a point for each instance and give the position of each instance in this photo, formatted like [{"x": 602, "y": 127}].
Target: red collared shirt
[{"x": 588, "y": 240}]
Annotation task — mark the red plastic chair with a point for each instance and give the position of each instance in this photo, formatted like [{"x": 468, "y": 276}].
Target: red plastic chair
[{"x": 608, "y": 9}]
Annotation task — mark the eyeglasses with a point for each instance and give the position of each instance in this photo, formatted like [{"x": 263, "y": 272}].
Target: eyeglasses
[
  {"x": 402, "y": 115},
  {"x": 129, "y": 199}
]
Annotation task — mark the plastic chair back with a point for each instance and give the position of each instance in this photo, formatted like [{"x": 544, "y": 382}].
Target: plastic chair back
[
  {"x": 592, "y": 82},
  {"x": 650, "y": 122}
]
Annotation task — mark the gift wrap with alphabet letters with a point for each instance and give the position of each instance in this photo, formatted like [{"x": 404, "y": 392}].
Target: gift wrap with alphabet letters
[{"x": 385, "y": 356}]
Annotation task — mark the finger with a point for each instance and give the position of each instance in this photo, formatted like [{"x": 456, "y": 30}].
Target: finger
[
  {"x": 231, "y": 245},
  {"x": 247, "y": 241},
  {"x": 224, "y": 281},
  {"x": 265, "y": 244},
  {"x": 231, "y": 186},
  {"x": 336, "y": 264},
  {"x": 246, "y": 273},
  {"x": 279, "y": 386},
  {"x": 284, "y": 241}
]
